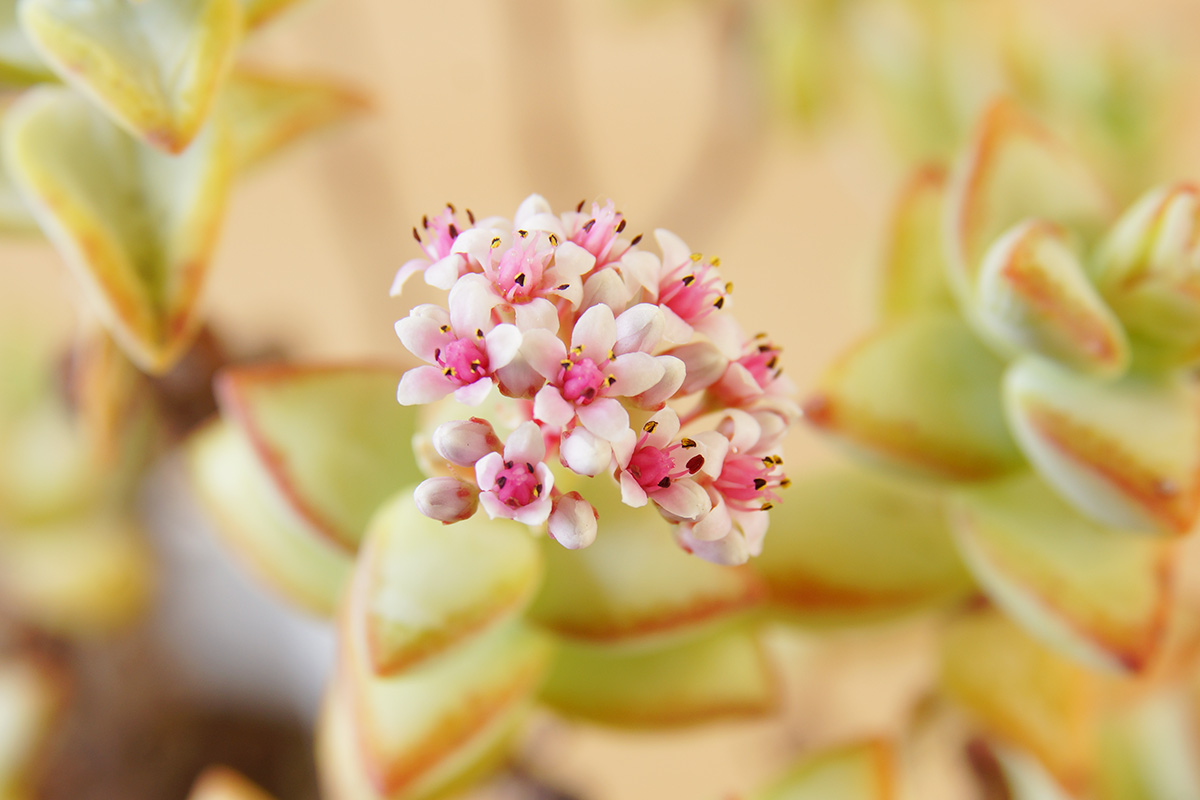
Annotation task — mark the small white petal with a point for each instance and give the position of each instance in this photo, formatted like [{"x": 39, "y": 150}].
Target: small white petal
[
  {"x": 639, "y": 328},
  {"x": 538, "y": 313},
  {"x": 422, "y": 335},
  {"x": 605, "y": 288},
  {"x": 632, "y": 493},
  {"x": 474, "y": 393},
  {"x": 742, "y": 430},
  {"x": 534, "y": 204},
  {"x": 674, "y": 251},
  {"x": 623, "y": 447},
  {"x": 487, "y": 469},
  {"x": 641, "y": 269},
  {"x": 477, "y": 242},
  {"x": 635, "y": 373},
  {"x": 585, "y": 454},
  {"x": 753, "y": 525},
  {"x": 667, "y": 386},
  {"x": 676, "y": 329},
  {"x": 543, "y": 351},
  {"x": 729, "y": 551},
  {"x": 726, "y": 334},
  {"x": 605, "y": 417},
  {"x": 666, "y": 428},
  {"x": 525, "y": 444},
  {"x": 535, "y": 513},
  {"x": 716, "y": 524},
  {"x": 596, "y": 332},
  {"x": 464, "y": 442},
  {"x": 406, "y": 271},
  {"x": 550, "y": 408},
  {"x": 494, "y": 507},
  {"x": 423, "y": 385},
  {"x": 502, "y": 344},
  {"x": 471, "y": 302},
  {"x": 571, "y": 261},
  {"x": 442, "y": 273},
  {"x": 683, "y": 500},
  {"x": 703, "y": 365}
]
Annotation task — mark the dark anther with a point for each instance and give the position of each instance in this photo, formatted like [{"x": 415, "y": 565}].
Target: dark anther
[
  {"x": 501, "y": 481},
  {"x": 635, "y": 241},
  {"x": 650, "y": 426},
  {"x": 508, "y": 465},
  {"x": 450, "y": 206},
  {"x": 664, "y": 483},
  {"x": 425, "y": 221},
  {"x": 765, "y": 348},
  {"x": 448, "y": 372},
  {"x": 520, "y": 279},
  {"x": 453, "y": 231},
  {"x": 579, "y": 208},
  {"x": 563, "y": 286},
  {"x": 470, "y": 216},
  {"x": 687, "y": 279},
  {"x": 444, "y": 329},
  {"x": 694, "y": 464},
  {"x": 529, "y": 467},
  {"x": 522, "y": 234},
  {"x": 479, "y": 333},
  {"x": 565, "y": 363},
  {"x": 416, "y": 235},
  {"x": 759, "y": 483},
  {"x": 611, "y": 380},
  {"x": 686, "y": 442},
  {"x": 587, "y": 226},
  {"x": 553, "y": 240},
  {"x": 767, "y": 506},
  {"x": 719, "y": 302},
  {"x": 621, "y": 226},
  {"x": 437, "y": 355}
]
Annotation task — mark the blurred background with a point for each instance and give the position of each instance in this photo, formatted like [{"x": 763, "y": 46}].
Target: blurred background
[{"x": 772, "y": 133}]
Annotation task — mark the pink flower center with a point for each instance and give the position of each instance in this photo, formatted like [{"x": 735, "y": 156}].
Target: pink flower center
[
  {"x": 517, "y": 484},
  {"x": 748, "y": 482},
  {"x": 600, "y": 233},
  {"x": 581, "y": 379},
  {"x": 465, "y": 360},
  {"x": 763, "y": 363},
  {"x": 440, "y": 232},
  {"x": 654, "y": 467},
  {"x": 693, "y": 290},
  {"x": 518, "y": 275}
]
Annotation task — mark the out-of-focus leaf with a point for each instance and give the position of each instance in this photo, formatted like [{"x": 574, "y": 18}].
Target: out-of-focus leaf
[
  {"x": 1023, "y": 693},
  {"x": 417, "y": 730},
  {"x": 260, "y": 525},
  {"x": 1032, "y": 296},
  {"x": 136, "y": 226},
  {"x": 635, "y": 585},
  {"x": 1126, "y": 453},
  {"x": 153, "y": 66},
  {"x": 266, "y": 113},
  {"x": 332, "y": 439},
  {"x": 261, "y": 12},
  {"x": 1015, "y": 170},
  {"x": 222, "y": 783},
  {"x": 718, "y": 675},
  {"x": 32, "y": 692},
  {"x": 914, "y": 279},
  {"x": 422, "y": 586},
  {"x": 20, "y": 64},
  {"x": 1146, "y": 751},
  {"x": 1094, "y": 592},
  {"x": 855, "y": 772},
  {"x": 1149, "y": 269},
  {"x": 77, "y": 576},
  {"x": 849, "y": 546},
  {"x": 922, "y": 394}
]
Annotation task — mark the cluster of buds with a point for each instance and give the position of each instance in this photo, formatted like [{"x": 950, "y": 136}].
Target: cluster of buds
[{"x": 608, "y": 361}]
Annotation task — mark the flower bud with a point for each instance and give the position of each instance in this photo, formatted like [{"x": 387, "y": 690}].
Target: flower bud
[
  {"x": 463, "y": 442},
  {"x": 446, "y": 499},
  {"x": 584, "y": 453},
  {"x": 704, "y": 365},
  {"x": 573, "y": 521}
]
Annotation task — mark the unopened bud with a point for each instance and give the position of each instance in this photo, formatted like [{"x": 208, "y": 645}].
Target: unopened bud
[
  {"x": 704, "y": 365},
  {"x": 584, "y": 453},
  {"x": 573, "y": 521},
  {"x": 463, "y": 442},
  {"x": 446, "y": 499}
]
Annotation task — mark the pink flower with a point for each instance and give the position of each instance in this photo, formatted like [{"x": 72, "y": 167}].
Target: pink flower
[
  {"x": 752, "y": 375},
  {"x": 741, "y": 473},
  {"x": 598, "y": 232},
  {"x": 462, "y": 345},
  {"x": 443, "y": 266},
  {"x": 517, "y": 485},
  {"x": 689, "y": 288},
  {"x": 659, "y": 468},
  {"x": 607, "y": 360}
]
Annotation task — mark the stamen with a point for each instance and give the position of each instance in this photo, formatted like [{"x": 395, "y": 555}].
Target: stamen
[
  {"x": 495, "y": 242},
  {"x": 664, "y": 483},
  {"x": 650, "y": 426},
  {"x": 444, "y": 329},
  {"x": 425, "y": 221},
  {"x": 635, "y": 241},
  {"x": 766, "y": 506},
  {"x": 522, "y": 234},
  {"x": 479, "y": 333},
  {"x": 688, "y": 279},
  {"x": 520, "y": 279},
  {"x": 694, "y": 464},
  {"x": 759, "y": 483},
  {"x": 716, "y": 262},
  {"x": 501, "y": 481},
  {"x": 719, "y": 302},
  {"x": 697, "y": 257},
  {"x": 687, "y": 443},
  {"x": 553, "y": 240},
  {"x": 563, "y": 287},
  {"x": 470, "y": 216},
  {"x": 450, "y": 206},
  {"x": 621, "y": 226},
  {"x": 416, "y": 235},
  {"x": 587, "y": 226},
  {"x": 453, "y": 231},
  {"x": 579, "y": 208}
]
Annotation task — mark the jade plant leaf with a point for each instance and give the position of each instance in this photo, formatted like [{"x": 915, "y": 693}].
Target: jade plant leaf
[
  {"x": 136, "y": 226},
  {"x": 154, "y": 66},
  {"x": 1126, "y": 453},
  {"x": 267, "y": 112},
  {"x": 259, "y": 524},
  {"x": 20, "y": 64},
  {"x": 864, "y": 771},
  {"x": 1015, "y": 170},
  {"x": 851, "y": 546},
  {"x": 79, "y": 575},
  {"x": 422, "y": 586},
  {"x": 413, "y": 732},
  {"x": 331, "y": 438},
  {"x": 1032, "y": 295},
  {"x": 32, "y": 694},
  {"x": 1145, "y": 750},
  {"x": 634, "y": 585},
  {"x": 718, "y": 675},
  {"x": 922, "y": 394},
  {"x": 914, "y": 278},
  {"x": 1023, "y": 693},
  {"x": 222, "y": 783},
  {"x": 261, "y": 12},
  {"x": 1096, "y": 593}
]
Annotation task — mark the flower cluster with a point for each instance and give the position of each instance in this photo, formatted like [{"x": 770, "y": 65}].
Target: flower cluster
[{"x": 619, "y": 365}]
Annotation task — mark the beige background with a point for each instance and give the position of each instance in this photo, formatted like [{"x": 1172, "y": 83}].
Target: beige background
[{"x": 481, "y": 102}]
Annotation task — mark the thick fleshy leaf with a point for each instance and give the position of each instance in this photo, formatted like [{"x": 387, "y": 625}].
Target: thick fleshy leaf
[
  {"x": 76, "y": 576},
  {"x": 915, "y": 270},
  {"x": 32, "y": 693},
  {"x": 1015, "y": 170},
  {"x": 923, "y": 394},
  {"x": 332, "y": 438},
  {"x": 1097, "y": 593},
  {"x": 1026, "y": 779},
  {"x": 1024, "y": 693},
  {"x": 634, "y": 585},
  {"x": 222, "y": 783},
  {"x": 423, "y": 725},
  {"x": 1126, "y": 453},
  {"x": 855, "y": 772},
  {"x": 261, "y": 12},
  {"x": 155, "y": 67},
  {"x": 15, "y": 216},
  {"x": 20, "y": 64},
  {"x": 1147, "y": 751},
  {"x": 1032, "y": 296},
  {"x": 422, "y": 586},
  {"x": 260, "y": 525},
  {"x": 143, "y": 259},
  {"x": 849, "y": 546},
  {"x": 718, "y": 675},
  {"x": 265, "y": 113},
  {"x": 1149, "y": 270}
]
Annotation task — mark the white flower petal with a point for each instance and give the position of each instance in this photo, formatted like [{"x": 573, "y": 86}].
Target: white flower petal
[
  {"x": 742, "y": 430},
  {"x": 641, "y": 269},
  {"x": 502, "y": 344},
  {"x": 406, "y": 271},
  {"x": 550, "y": 408},
  {"x": 623, "y": 447},
  {"x": 534, "y": 204},
  {"x": 538, "y": 313},
  {"x": 596, "y": 332},
  {"x": 422, "y": 335},
  {"x": 639, "y": 328},
  {"x": 605, "y": 417},
  {"x": 494, "y": 507},
  {"x": 584, "y": 453},
  {"x": 543, "y": 351},
  {"x": 676, "y": 329},
  {"x": 442, "y": 273},
  {"x": 684, "y": 499},
  {"x": 635, "y": 373},
  {"x": 474, "y": 393},
  {"x": 674, "y": 251},
  {"x": 571, "y": 261},
  {"x": 605, "y": 288},
  {"x": 487, "y": 469},
  {"x": 716, "y": 524},
  {"x": 632, "y": 493},
  {"x": 666, "y": 428},
  {"x": 667, "y": 386},
  {"x": 471, "y": 302},
  {"x": 526, "y": 444},
  {"x": 729, "y": 551},
  {"x": 423, "y": 385},
  {"x": 703, "y": 365}
]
